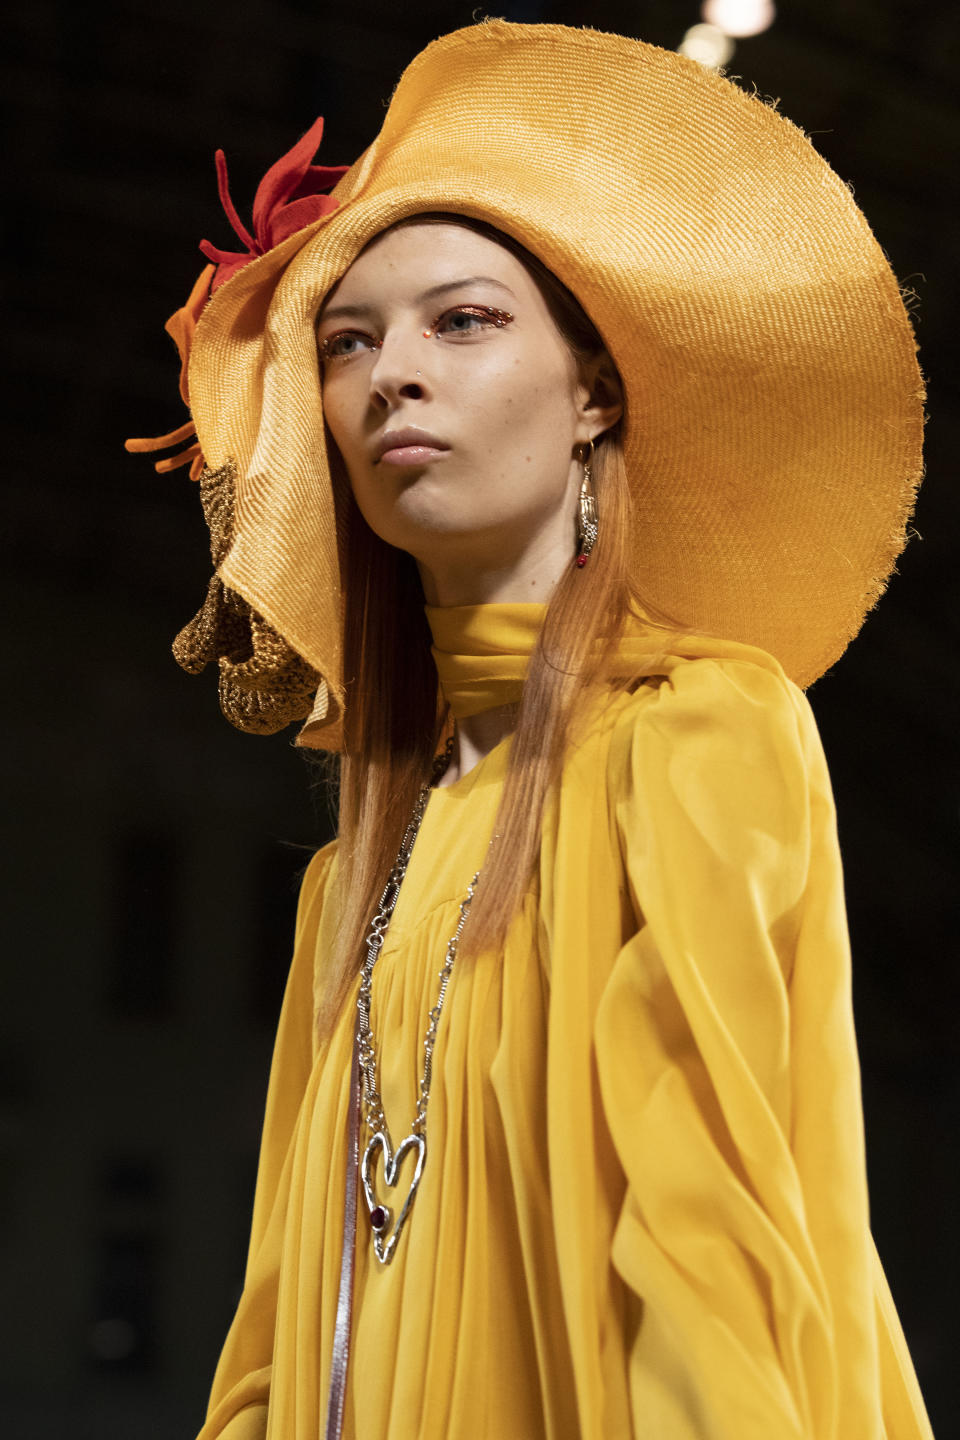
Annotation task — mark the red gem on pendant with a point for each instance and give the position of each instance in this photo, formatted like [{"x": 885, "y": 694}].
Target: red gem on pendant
[
  {"x": 581, "y": 561},
  {"x": 378, "y": 1217}
]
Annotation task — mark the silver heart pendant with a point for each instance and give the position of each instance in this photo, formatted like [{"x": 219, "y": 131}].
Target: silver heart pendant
[{"x": 381, "y": 1215}]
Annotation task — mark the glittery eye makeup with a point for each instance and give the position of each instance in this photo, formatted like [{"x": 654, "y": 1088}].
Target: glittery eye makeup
[
  {"x": 327, "y": 353},
  {"x": 487, "y": 314},
  {"x": 490, "y": 313}
]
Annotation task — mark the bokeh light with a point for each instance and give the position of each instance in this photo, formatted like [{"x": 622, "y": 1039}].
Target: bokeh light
[
  {"x": 739, "y": 17},
  {"x": 707, "y": 44}
]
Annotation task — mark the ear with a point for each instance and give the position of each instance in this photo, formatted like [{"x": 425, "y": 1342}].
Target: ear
[{"x": 599, "y": 396}]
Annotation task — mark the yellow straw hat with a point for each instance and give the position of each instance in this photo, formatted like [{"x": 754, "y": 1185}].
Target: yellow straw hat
[{"x": 774, "y": 405}]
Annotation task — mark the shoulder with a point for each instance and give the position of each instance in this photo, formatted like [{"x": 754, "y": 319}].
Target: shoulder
[
  {"x": 723, "y": 739},
  {"x": 317, "y": 871},
  {"x": 732, "y": 696},
  {"x": 315, "y": 885}
]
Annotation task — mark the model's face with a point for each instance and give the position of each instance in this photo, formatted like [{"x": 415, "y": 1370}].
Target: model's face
[{"x": 439, "y": 329}]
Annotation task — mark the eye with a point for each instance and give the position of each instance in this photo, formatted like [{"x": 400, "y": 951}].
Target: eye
[
  {"x": 344, "y": 344},
  {"x": 465, "y": 319}
]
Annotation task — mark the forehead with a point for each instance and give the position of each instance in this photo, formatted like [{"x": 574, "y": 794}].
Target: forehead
[{"x": 427, "y": 253}]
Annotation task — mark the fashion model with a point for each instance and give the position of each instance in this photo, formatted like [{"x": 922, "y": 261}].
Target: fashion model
[{"x": 549, "y": 452}]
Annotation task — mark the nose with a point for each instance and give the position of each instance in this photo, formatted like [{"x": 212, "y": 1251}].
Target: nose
[{"x": 397, "y": 371}]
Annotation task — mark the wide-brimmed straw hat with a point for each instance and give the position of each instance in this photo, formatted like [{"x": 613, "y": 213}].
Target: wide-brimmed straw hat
[{"x": 774, "y": 405}]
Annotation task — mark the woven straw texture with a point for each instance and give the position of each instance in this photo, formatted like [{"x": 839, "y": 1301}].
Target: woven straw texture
[{"x": 774, "y": 404}]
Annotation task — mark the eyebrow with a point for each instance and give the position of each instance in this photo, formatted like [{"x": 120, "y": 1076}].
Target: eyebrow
[{"x": 337, "y": 312}]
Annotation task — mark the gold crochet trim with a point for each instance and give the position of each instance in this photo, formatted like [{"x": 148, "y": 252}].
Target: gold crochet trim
[{"x": 264, "y": 684}]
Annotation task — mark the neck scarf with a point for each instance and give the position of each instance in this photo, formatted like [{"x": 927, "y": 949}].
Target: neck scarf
[{"x": 482, "y": 652}]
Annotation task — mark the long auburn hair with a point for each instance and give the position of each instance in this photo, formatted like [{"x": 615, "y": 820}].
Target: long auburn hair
[{"x": 394, "y": 717}]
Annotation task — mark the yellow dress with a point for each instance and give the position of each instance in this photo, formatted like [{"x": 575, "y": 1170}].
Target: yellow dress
[{"x": 644, "y": 1211}]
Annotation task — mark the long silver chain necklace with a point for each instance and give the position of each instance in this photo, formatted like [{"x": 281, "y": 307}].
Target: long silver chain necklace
[{"x": 385, "y": 1238}]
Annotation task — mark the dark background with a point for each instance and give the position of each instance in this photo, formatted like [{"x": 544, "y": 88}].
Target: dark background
[{"x": 152, "y": 853}]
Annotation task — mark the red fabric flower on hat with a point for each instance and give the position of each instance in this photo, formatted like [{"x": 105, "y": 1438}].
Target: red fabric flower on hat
[{"x": 289, "y": 196}]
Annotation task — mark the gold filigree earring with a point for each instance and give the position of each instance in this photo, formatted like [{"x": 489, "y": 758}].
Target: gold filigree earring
[{"x": 587, "y": 510}]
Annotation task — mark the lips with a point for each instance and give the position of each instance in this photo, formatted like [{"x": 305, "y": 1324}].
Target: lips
[{"x": 411, "y": 439}]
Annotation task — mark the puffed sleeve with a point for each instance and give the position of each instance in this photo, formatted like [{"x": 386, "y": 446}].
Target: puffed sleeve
[
  {"x": 241, "y": 1387},
  {"x": 730, "y": 1080}
]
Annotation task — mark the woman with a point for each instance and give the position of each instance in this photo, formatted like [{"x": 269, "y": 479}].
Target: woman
[{"x": 623, "y": 389}]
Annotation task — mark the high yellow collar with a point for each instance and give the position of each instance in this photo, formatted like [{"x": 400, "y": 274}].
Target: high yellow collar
[{"x": 482, "y": 652}]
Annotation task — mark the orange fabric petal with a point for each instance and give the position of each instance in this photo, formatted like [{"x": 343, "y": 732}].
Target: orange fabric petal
[
  {"x": 183, "y": 322},
  {"x": 191, "y": 456},
  {"x": 160, "y": 442}
]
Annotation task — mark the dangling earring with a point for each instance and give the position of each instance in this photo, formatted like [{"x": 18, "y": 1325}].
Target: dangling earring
[{"x": 587, "y": 512}]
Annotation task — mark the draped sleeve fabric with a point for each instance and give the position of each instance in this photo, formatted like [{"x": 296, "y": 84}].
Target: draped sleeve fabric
[
  {"x": 240, "y": 1395},
  {"x": 728, "y": 1073}
]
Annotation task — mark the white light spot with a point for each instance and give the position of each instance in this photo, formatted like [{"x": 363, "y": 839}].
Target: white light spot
[
  {"x": 739, "y": 17},
  {"x": 707, "y": 45}
]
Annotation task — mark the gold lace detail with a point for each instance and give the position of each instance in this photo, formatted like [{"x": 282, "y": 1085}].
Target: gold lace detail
[{"x": 264, "y": 683}]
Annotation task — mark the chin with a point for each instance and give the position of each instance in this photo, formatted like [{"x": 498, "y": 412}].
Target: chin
[{"x": 420, "y": 516}]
